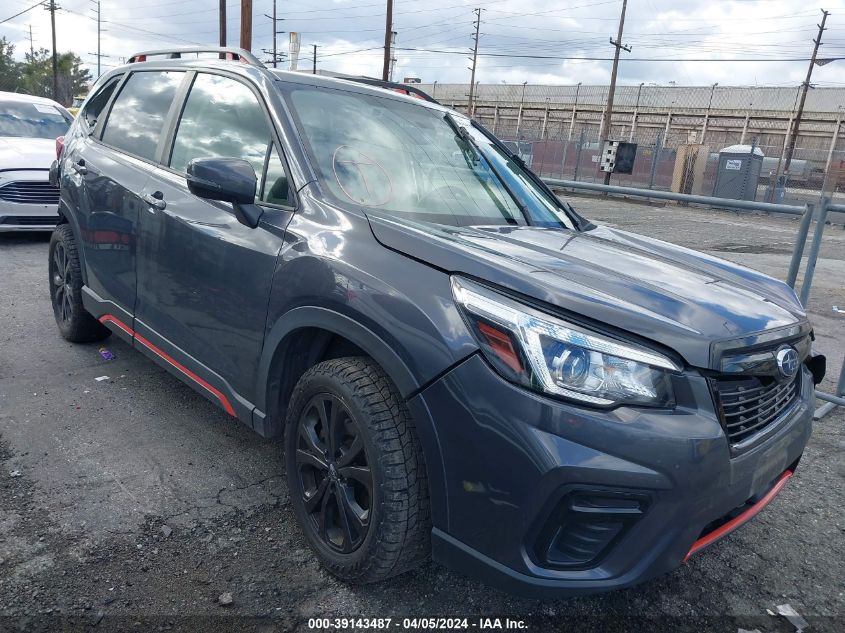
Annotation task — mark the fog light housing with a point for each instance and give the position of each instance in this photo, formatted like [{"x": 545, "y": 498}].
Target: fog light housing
[{"x": 585, "y": 525}]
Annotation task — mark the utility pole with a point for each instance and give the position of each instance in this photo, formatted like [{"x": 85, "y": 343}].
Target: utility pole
[
  {"x": 31, "y": 46},
  {"x": 222, "y": 15},
  {"x": 52, "y": 9},
  {"x": 477, "y": 22},
  {"x": 388, "y": 30},
  {"x": 392, "y": 53},
  {"x": 98, "y": 38},
  {"x": 790, "y": 148},
  {"x": 608, "y": 111},
  {"x": 314, "y": 61},
  {"x": 275, "y": 21},
  {"x": 246, "y": 25}
]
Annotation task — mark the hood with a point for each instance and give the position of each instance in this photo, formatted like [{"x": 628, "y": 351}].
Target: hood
[
  {"x": 26, "y": 153},
  {"x": 682, "y": 299}
]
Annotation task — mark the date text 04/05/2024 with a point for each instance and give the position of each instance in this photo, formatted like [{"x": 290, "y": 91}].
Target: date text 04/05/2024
[{"x": 418, "y": 624}]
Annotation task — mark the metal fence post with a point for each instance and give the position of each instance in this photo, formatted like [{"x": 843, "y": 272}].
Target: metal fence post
[
  {"x": 654, "y": 160},
  {"x": 800, "y": 242},
  {"x": 839, "y": 393},
  {"x": 578, "y": 154},
  {"x": 814, "y": 252}
]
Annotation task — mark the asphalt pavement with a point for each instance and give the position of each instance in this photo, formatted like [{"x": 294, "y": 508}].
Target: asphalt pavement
[{"x": 129, "y": 502}]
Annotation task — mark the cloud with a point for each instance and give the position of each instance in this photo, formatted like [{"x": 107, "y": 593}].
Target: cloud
[{"x": 520, "y": 40}]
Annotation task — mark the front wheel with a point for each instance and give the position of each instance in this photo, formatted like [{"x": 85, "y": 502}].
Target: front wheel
[
  {"x": 355, "y": 471},
  {"x": 74, "y": 322}
]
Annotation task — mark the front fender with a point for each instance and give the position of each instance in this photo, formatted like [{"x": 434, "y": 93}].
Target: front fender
[{"x": 408, "y": 385}]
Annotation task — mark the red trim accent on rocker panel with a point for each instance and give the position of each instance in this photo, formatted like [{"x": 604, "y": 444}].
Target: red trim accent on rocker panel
[
  {"x": 743, "y": 518},
  {"x": 108, "y": 318}
]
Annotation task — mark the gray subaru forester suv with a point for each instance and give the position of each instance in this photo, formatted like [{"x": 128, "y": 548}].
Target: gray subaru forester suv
[{"x": 461, "y": 366}]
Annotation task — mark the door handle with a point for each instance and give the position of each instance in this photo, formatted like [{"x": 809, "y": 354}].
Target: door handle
[
  {"x": 155, "y": 200},
  {"x": 79, "y": 167}
]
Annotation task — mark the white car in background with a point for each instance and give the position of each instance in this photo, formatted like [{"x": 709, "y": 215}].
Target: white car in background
[{"x": 29, "y": 127}]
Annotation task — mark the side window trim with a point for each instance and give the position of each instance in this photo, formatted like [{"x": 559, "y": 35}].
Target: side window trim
[
  {"x": 263, "y": 177},
  {"x": 275, "y": 139},
  {"x": 174, "y": 115}
]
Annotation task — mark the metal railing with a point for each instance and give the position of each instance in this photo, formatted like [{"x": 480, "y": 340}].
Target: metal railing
[{"x": 806, "y": 213}]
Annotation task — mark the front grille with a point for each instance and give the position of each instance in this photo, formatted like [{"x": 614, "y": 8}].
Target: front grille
[
  {"x": 30, "y": 192},
  {"x": 30, "y": 220},
  {"x": 748, "y": 404}
]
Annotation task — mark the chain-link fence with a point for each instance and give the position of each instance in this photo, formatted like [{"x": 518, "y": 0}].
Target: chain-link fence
[{"x": 558, "y": 129}]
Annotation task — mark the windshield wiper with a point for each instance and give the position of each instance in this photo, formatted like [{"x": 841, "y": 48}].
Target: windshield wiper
[{"x": 467, "y": 138}]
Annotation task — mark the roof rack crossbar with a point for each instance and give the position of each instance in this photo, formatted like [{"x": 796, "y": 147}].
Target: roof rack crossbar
[{"x": 226, "y": 52}]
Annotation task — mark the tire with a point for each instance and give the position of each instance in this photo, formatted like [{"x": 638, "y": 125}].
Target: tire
[
  {"x": 74, "y": 322},
  {"x": 389, "y": 526}
]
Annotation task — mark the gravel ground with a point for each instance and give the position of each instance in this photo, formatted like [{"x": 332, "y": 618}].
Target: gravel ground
[{"x": 133, "y": 504}]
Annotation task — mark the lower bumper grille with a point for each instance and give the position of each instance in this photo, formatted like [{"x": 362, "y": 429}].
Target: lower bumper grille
[
  {"x": 748, "y": 404},
  {"x": 30, "y": 192}
]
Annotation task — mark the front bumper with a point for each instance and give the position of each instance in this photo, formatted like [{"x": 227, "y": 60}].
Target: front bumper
[
  {"x": 23, "y": 205},
  {"x": 511, "y": 457}
]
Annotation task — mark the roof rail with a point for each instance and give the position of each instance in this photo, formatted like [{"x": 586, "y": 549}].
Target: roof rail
[{"x": 231, "y": 53}]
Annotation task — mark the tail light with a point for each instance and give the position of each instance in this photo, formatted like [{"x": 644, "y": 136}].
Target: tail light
[{"x": 60, "y": 146}]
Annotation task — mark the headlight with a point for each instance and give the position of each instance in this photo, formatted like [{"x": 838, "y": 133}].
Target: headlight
[{"x": 545, "y": 353}]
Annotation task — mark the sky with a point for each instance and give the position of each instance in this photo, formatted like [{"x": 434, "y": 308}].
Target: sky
[{"x": 688, "y": 42}]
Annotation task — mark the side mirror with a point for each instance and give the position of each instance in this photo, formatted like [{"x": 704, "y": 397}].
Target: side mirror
[{"x": 227, "y": 180}]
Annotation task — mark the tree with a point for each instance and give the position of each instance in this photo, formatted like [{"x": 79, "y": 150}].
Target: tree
[
  {"x": 9, "y": 68},
  {"x": 35, "y": 74}
]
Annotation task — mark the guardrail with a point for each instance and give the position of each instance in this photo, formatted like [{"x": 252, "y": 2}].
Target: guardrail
[{"x": 806, "y": 213}]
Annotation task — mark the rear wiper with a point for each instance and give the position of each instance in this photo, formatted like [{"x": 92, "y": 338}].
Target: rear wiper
[{"x": 467, "y": 138}]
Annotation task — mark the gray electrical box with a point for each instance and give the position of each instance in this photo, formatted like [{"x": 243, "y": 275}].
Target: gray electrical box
[{"x": 738, "y": 172}]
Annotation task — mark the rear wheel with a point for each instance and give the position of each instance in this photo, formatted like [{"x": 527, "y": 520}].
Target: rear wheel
[
  {"x": 355, "y": 471},
  {"x": 74, "y": 322}
]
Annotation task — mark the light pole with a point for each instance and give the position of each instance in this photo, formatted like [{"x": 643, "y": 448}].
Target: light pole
[
  {"x": 707, "y": 114},
  {"x": 434, "y": 89},
  {"x": 574, "y": 111},
  {"x": 519, "y": 116},
  {"x": 636, "y": 114}
]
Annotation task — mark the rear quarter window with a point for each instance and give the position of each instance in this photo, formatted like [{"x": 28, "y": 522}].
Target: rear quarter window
[{"x": 136, "y": 121}]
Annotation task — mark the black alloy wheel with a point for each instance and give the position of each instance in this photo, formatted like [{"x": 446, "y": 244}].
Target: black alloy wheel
[
  {"x": 75, "y": 323},
  {"x": 60, "y": 274},
  {"x": 335, "y": 477},
  {"x": 355, "y": 471}
]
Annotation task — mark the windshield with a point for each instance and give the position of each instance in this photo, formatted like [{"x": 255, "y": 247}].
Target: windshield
[
  {"x": 411, "y": 161},
  {"x": 32, "y": 120}
]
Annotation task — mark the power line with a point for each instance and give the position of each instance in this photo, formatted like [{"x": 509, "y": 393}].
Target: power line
[
  {"x": 610, "y": 59},
  {"x": 12, "y": 17}
]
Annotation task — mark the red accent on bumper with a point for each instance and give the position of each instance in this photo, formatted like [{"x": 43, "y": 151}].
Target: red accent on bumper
[
  {"x": 743, "y": 518},
  {"x": 108, "y": 318}
]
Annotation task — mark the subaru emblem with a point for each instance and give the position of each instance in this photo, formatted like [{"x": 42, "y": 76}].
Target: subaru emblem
[{"x": 787, "y": 359}]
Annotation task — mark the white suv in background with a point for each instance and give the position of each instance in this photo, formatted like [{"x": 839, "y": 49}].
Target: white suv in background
[{"x": 28, "y": 129}]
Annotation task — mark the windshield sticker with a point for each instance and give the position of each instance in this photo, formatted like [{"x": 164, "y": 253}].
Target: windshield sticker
[{"x": 47, "y": 109}]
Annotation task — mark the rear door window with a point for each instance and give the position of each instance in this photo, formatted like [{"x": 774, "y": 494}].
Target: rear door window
[
  {"x": 136, "y": 121},
  {"x": 96, "y": 104}
]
